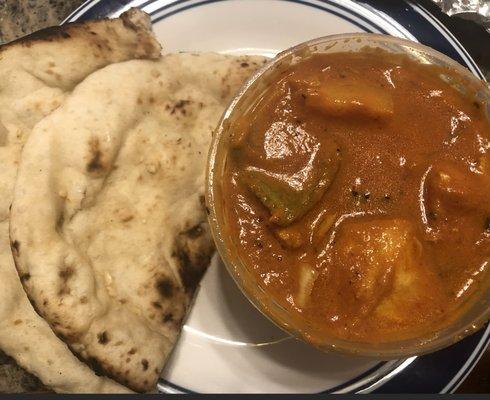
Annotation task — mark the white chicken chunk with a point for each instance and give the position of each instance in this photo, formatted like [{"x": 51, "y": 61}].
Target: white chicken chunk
[
  {"x": 453, "y": 187},
  {"x": 348, "y": 97},
  {"x": 382, "y": 260}
]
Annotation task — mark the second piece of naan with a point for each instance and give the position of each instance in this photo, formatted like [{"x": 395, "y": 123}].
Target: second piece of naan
[{"x": 108, "y": 226}]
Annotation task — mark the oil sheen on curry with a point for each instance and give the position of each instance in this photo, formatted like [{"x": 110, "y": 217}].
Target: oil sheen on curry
[{"x": 357, "y": 191}]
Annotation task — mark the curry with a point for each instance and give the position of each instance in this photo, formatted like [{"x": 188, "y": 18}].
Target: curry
[{"x": 356, "y": 191}]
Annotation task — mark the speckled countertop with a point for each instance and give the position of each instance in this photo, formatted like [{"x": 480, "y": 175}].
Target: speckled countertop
[{"x": 20, "y": 17}]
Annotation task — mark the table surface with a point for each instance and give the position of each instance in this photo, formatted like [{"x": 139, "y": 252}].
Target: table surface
[{"x": 20, "y": 17}]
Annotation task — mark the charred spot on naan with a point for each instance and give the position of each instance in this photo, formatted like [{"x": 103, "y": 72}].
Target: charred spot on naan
[
  {"x": 103, "y": 368},
  {"x": 103, "y": 337},
  {"x": 180, "y": 105},
  {"x": 168, "y": 317},
  {"x": 170, "y": 303},
  {"x": 156, "y": 304},
  {"x": 15, "y": 247},
  {"x": 165, "y": 287},
  {"x": 253, "y": 65},
  {"x": 95, "y": 365},
  {"x": 193, "y": 250},
  {"x": 96, "y": 163},
  {"x": 194, "y": 232},
  {"x": 65, "y": 274}
]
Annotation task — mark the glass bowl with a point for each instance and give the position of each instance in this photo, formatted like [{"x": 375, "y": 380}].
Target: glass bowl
[{"x": 473, "y": 317}]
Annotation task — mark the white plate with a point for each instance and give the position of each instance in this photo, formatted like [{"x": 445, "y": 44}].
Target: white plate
[{"x": 226, "y": 344}]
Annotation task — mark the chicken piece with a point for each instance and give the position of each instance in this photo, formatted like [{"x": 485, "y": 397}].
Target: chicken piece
[
  {"x": 414, "y": 286},
  {"x": 350, "y": 97},
  {"x": 367, "y": 252},
  {"x": 453, "y": 188},
  {"x": 383, "y": 269}
]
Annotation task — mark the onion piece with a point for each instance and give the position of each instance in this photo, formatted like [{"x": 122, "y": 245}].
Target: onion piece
[{"x": 307, "y": 279}]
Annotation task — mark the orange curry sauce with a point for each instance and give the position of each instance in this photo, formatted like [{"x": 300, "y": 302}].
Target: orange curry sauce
[{"x": 357, "y": 191}]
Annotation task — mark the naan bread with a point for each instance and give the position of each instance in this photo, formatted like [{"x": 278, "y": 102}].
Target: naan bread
[
  {"x": 36, "y": 74},
  {"x": 108, "y": 225}
]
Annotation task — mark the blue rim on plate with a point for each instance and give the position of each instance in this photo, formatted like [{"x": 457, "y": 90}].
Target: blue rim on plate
[
  {"x": 404, "y": 19},
  {"x": 439, "y": 372}
]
